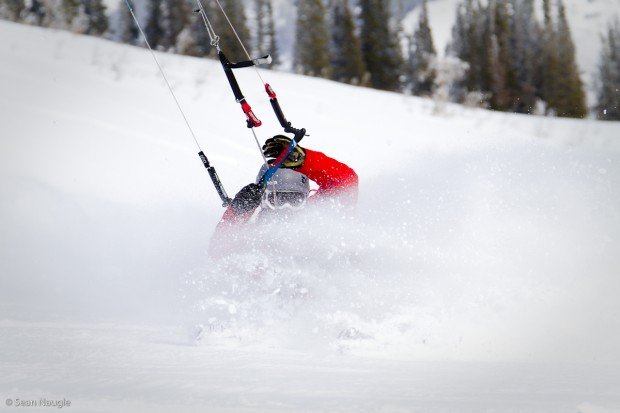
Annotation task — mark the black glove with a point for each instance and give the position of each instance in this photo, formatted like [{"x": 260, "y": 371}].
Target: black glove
[
  {"x": 279, "y": 143},
  {"x": 248, "y": 199}
]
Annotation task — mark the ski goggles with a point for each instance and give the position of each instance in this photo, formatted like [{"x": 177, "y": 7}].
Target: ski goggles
[{"x": 280, "y": 200}]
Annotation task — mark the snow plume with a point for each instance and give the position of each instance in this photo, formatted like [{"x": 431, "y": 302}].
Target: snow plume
[
  {"x": 478, "y": 236},
  {"x": 490, "y": 255}
]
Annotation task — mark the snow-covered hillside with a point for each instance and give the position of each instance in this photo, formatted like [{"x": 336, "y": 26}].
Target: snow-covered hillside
[{"x": 480, "y": 272}]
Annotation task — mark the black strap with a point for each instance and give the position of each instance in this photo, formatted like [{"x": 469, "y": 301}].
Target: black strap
[
  {"x": 252, "y": 120},
  {"x": 249, "y": 63},
  {"x": 227, "y": 65}
]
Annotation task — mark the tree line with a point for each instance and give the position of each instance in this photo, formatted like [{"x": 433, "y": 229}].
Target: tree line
[
  {"x": 508, "y": 59},
  {"x": 517, "y": 61},
  {"x": 80, "y": 16}
]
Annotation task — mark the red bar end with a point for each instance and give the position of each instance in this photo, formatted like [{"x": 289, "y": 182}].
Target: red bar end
[
  {"x": 270, "y": 91},
  {"x": 252, "y": 118}
]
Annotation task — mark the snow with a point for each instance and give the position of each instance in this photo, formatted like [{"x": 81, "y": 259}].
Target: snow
[{"x": 480, "y": 273}]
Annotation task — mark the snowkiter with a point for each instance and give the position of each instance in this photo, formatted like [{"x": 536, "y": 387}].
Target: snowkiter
[{"x": 288, "y": 190}]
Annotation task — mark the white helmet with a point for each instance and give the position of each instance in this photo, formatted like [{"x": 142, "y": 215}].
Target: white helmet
[{"x": 286, "y": 189}]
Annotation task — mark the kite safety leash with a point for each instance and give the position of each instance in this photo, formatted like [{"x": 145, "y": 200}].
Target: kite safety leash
[
  {"x": 275, "y": 165},
  {"x": 212, "y": 173}
]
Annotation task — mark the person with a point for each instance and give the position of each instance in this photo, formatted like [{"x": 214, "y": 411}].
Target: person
[{"x": 288, "y": 191}]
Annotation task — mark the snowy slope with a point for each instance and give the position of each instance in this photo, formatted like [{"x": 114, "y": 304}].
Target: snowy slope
[{"x": 481, "y": 270}]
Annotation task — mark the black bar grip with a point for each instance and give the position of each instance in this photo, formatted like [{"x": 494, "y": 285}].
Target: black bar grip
[
  {"x": 218, "y": 187},
  {"x": 232, "y": 80},
  {"x": 204, "y": 159},
  {"x": 279, "y": 114},
  {"x": 241, "y": 65},
  {"x": 263, "y": 60},
  {"x": 215, "y": 179},
  {"x": 299, "y": 134}
]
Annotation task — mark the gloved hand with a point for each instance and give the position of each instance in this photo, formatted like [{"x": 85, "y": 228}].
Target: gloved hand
[
  {"x": 274, "y": 147},
  {"x": 247, "y": 199}
]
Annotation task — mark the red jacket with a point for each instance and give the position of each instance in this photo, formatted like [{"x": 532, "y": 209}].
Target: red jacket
[{"x": 334, "y": 178}]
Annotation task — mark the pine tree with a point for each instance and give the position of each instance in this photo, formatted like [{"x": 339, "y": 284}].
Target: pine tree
[
  {"x": 198, "y": 41},
  {"x": 524, "y": 54},
  {"x": 571, "y": 100},
  {"x": 69, "y": 10},
  {"x": 193, "y": 39},
  {"x": 153, "y": 29},
  {"x": 266, "y": 31},
  {"x": 495, "y": 70},
  {"x": 127, "y": 31},
  {"x": 500, "y": 42},
  {"x": 500, "y": 70},
  {"x": 311, "y": 39},
  {"x": 96, "y": 18},
  {"x": 457, "y": 48},
  {"x": 550, "y": 61},
  {"x": 36, "y": 14},
  {"x": 380, "y": 48},
  {"x": 12, "y": 9},
  {"x": 398, "y": 30},
  {"x": 345, "y": 49},
  {"x": 54, "y": 15},
  {"x": 421, "y": 55},
  {"x": 505, "y": 18},
  {"x": 174, "y": 18},
  {"x": 228, "y": 41},
  {"x": 468, "y": 45},
  {"x": 608, "y": 93}
]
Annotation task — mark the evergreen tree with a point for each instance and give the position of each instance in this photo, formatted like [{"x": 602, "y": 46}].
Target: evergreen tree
[
  {"x": 311, "y": 39},
  {"x": 380, "y": 48},
  {"x": 193, "y": 39},
  {"x": 505, "y": 36},
  {"x": 524, "y": 54},
  {"x": 468, "y": 46},
  {"x": 421, "y": 56},
  {"x": 94, "y": 16},
  {"x": 69, "y": 10},
  {"x": 398, "y": 30},
  {"x": 228, "y": 41},
  {"x": 174, "y": 18},
  {"x": 345, "y": 49},
  {"x": 266, "y": 31},
  {"x": 550, "y": 61},
  {"x": 198, "y": 39},
  {"x": 570, "y": 97},
  {"x": 500, "y": 70},
  {"x": 127, "y": 31},
  {"x": 495, "y": 70},
  {"x": 36, "y": 14},
  {"x": 499, "y": 41},
  {"x": 513, "y": 60},
  {"x": 12, "y": 9},
  {"x": 457, "y": 48},
  {"x": 54, "y": 15},
  {"x": 608, "y": 93},
  {"x": 153, "y": 29}
]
